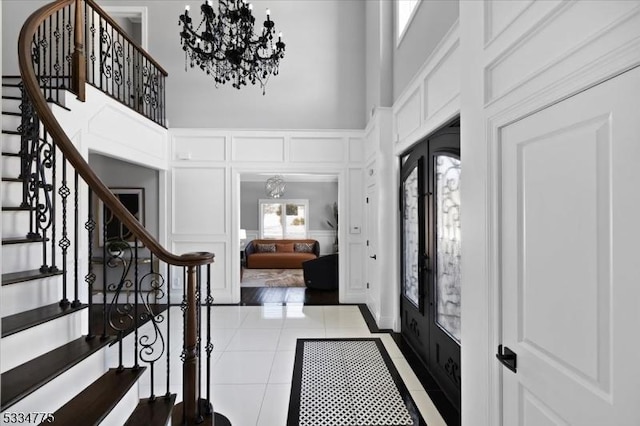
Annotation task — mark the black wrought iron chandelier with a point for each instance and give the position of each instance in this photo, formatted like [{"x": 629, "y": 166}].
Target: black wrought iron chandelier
[{"x": 225, "y": 46}]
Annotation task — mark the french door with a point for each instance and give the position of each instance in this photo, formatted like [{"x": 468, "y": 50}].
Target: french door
[{"x": 430, "y": 232}]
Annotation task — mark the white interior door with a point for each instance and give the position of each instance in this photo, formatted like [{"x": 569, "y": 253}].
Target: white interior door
[
  {"x": 570, "y": 221},
  {"x": 371, "y": 265}
]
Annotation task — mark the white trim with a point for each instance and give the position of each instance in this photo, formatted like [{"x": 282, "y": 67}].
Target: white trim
[{"x": 136, "y": 12}]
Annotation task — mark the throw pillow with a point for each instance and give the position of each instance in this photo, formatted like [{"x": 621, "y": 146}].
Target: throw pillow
[
  {"x": 303, "y": 247},
  {"x": 284, "y": 247},
  {"x": 265, "y": 248}
]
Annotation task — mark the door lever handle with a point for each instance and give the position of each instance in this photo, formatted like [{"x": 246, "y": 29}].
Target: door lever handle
[
  {"x": 374, "y": 257},
  {"x": 507, "y": 357}
]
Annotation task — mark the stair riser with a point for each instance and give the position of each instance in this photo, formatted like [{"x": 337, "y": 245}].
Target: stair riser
[
  {"x": 121, "y": 412},
  {"x": 15, "y": 224},
  {"x": 35, "y": 341},
  {"x": 28, "y": 295},
  {"x": 12, "y": 105},
  {"x": 23, "y": 257},
  {"x": 10, "y": 143},
  {"x": 11, "y": 195},
  {"x": 10, "y": 122},
  {"x": 10, "y": 167},
  {"x": 57, "y": 392}
]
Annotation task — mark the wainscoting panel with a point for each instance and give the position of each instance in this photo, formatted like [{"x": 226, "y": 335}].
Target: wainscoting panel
[
  {"x": 198, "y": 200},
  {"x": 199, "y": 148},
  {"x": 408, "y": 116},
  {"x": 356, "y": 201},
  {"x": 356, "y": 150},
  {"x": 258, "y": 148},
  {"x": 219, "y": 283},
  {"x": 442, "y": 85},
  {"x": 432, "y": 98},
  {"x": 326, "y": 240},
  {"x": 356, "y": 281},
  {"x": 547, "y": 52},
  {"x": 107, "y": 127},
  {"x": 317, "y": 150},
  {"x": 501, "y": 14}
]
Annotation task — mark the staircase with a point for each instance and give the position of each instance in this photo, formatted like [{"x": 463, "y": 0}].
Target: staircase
[
  {"x": 78, "y": 344},
  {"x": 52, "y": 365}
]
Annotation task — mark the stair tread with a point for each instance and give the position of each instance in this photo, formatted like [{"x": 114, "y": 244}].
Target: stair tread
[
  {"x": 24, "y": 379},
  {"x": 96, "y": 401},
  {"x": 15, "y": 209},
  {"x": 16, "y": 114},
  {"x": 15, "y": 98},
  {"x": 18, "y": 277},
  {"x": 23, "y": 240},
  {"x": 11, "y": 132},
  {"x": 27, "y": 319},
  {"x": 8, "y": 179},
  {"x": 11, "y": 154},
  {"x": 152, "y": 413}
]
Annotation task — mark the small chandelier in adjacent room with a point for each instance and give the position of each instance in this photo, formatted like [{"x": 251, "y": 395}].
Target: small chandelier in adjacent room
[
  {"x": 275, "y": 187},
  {"x": 225, "y": 46}
]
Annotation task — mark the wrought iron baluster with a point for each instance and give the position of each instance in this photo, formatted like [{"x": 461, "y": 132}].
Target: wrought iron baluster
[
  {"x": 136, "y": 294},
  {"x": 57, "y": 34},
  {"x": 168, "y": 393},
  {"x": 90, "y": 278},
  {"x": 199, "y": 324},
  {"x": 209, "y": 348},
  {"x": 92, "y": 30},
  {"x": 64, "y": 242},
  {"x": 49, "y": 71},
  {"x": 52, "y": 204},
  {"x": 76, "y": 243},
  {"x": 105, "y": 314},
  {"x": 152, "y": 346}
]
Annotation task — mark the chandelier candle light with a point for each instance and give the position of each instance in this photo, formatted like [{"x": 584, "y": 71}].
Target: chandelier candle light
[{"x": 226, "y": 47}]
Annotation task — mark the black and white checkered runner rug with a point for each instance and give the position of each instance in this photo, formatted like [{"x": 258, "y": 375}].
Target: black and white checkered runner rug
[{"x": 348, "y": 382}]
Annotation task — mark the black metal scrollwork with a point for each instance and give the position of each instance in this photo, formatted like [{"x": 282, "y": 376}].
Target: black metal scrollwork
[{"x": 453, "y": 370}]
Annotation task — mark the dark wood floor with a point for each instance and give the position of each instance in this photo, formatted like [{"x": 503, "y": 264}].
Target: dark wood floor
[{"x": 251, "y": 296}]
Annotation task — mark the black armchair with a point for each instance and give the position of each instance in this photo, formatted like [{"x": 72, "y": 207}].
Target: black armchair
[{"x": 321, "y": 273}]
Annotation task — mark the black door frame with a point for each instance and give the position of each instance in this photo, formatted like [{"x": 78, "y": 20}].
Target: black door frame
[{"x": 436, "y": 348}]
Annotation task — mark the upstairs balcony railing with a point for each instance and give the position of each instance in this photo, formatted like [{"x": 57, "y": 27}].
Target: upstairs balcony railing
[
  {"x": 61, "y": 46},
  {"x": 71, "y": 49}
]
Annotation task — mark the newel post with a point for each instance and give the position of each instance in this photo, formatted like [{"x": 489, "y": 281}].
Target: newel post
[
  {"x": 78, "y": 63},
  {"x": 190, "y": 388}
]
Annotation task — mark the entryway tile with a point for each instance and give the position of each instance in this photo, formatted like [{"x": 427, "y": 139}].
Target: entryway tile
[
  {"x": 243, "y": 367},
  {"x": 251, "y": 339}
]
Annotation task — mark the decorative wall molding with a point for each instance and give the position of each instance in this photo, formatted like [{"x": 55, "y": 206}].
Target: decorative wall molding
[
  {"x": 214, "y": 161},
  {"x": 519, "y": 68},
  {"x": 112, "y": 129},
  {"x": 500, "y": 15},
  {"x": 432, "y": 98}
]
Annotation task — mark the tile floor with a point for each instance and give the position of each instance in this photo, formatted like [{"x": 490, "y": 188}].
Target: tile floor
[{"x": 253, "y": 357}]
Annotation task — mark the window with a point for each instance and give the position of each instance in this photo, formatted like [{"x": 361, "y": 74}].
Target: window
[
  {"x": 405, "y": 9},
  {"x": 283, "y": 218}
]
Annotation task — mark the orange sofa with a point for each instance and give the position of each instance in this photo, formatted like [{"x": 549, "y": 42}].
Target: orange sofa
[{"x": 280, "y": 254}]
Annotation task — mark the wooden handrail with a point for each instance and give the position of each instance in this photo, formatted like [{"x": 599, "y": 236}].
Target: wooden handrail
[
  {"x": 72, "y": 155},
  {"x": 124, "y": 34}
]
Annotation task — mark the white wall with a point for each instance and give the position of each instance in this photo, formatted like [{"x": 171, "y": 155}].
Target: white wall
[
  {"x": 206, "y": 170},
  {"x": 321, "y": 196},
  {"x": 321, "y": 84},
  {"x": 431, "y": 22},
  {"x": 120, "y": 174},
  {"x": 517, "y": 58}
]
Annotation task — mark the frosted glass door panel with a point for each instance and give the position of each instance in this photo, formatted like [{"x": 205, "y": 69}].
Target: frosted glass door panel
[
  {"x": 448, "y": 244},
  {"x": 411, "y": 238}
]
